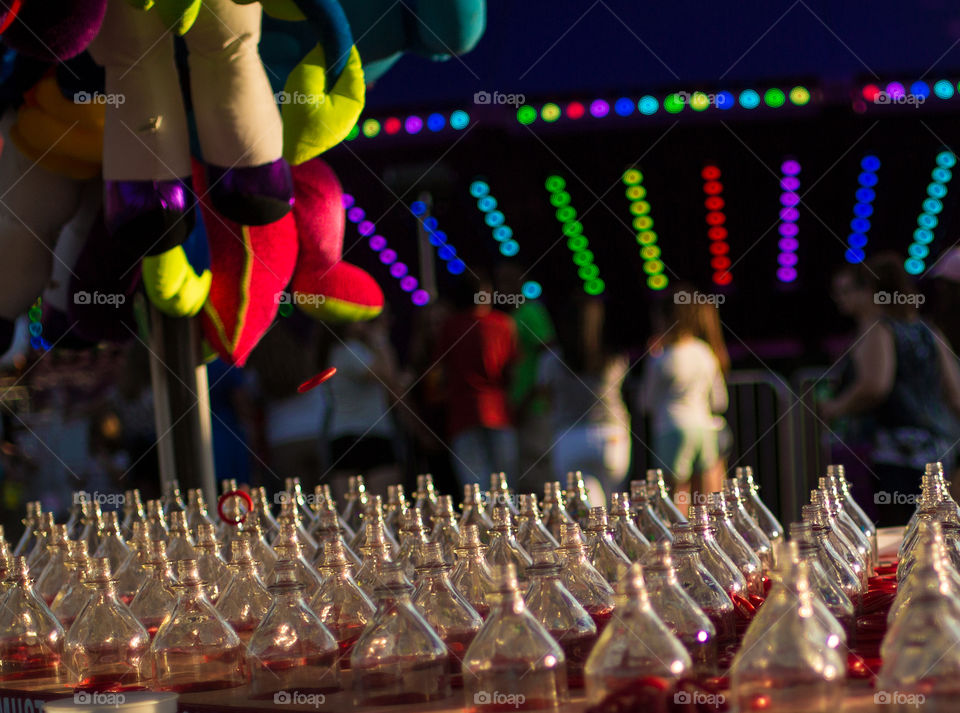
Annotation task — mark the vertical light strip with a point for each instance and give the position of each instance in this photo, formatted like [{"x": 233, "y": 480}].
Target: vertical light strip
[
  {"x": 572, "y": 229},
  {"x": 862, "y": 210},
  {"x": 716, "y": 225},
  {"x": 636, "y": 193},
  {"x": 789, "y": 213},
  {"x": 927, "y": 221}
]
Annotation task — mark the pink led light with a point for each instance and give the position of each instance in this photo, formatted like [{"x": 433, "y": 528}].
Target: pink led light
[
  {"x": 388, "y": 256},
  {"x": 366, "y": 228},
  {"x": 420, "y": 297},
  {"x": 378, "y": 243},
  {"x": 398, "y": 269}
]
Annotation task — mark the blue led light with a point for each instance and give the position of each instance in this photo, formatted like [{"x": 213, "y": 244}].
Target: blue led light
[
  {"x": 418, "y": 208},
  {"x": 914, "y": 266},
  {"x": 436, "y": 122},
  {"x": 623, "y": 106},
  {"x": 867, "y": 179},
  {"x": 479, "y": 189},
  {"x": 494, "y": 218},
  {"x": 726, "y": 100},
  {"x": 932, "y": 206},
  {"x": 430, "y": 223},
  {"x": 531, "y": 289},
  {"x": 854, "y": 255},
  {"x": 946, "y": 159},
  {"x": 502, "y": 232},
  {"x": 941, "y": 175},
  {"x": 870, "y": 163},
  {"x": 925, "y": 220},
  {"x": 918, "y": 251},
  {"x": 439, "y": 235},
  {"x": 456, "y": 267},
  {"x": 924, "y": 236},
  {"x": 487, "y": 203},
  {"x": 860, "y": 225},
  {"x": 866, "y": 195},
  {"x": 936, "y": 190},
  {"x": 862, "y": 210},
  {"x": 446, "y": 252},
  {"x": 509, "y": 248},
  {"x": 920, "y": 89},
  {"x": 857, "y": 240}
]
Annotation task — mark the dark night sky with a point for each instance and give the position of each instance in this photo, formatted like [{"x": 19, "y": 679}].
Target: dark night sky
[{"x": 530, "y": 47}]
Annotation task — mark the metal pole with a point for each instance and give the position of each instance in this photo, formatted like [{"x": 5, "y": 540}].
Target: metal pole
[{"x": 181, "y": 404}]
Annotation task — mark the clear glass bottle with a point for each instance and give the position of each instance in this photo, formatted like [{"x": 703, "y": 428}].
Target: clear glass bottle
[
  {"x": 245, "y": 601},
  {"x": 291, "y": 650},
  {"x": 412, "y": 535},
  {"x": 474, "y": 511},
  {"x": 290, "y": 513},
  {"x": 91, "y": 522},
  {"x": 702, "y": 531},
  {"x": 582, "y": 579},
  {"x": 156, "y": 521},
  {"x": 288, "y": 549},
  {"x": 55, "y": 572},
  {"x": 750, "y": 491},
  {"x": 40, "y": 554},
  {"x": 373, "y": 522},
  {"x": 450, "y": 615},
  {"x": 234, "y": 514},
  {"x": 616, "y": 661},
  {"x": 172, "y": 498},
  {"x": 112, "y": 545},
  {"x": 214, "y": 572},
  {"x": 931, "y": 570},
  {"x": 832, "y": 561},
  {"x": 530, "y": 528},
  {"x": 180, "y": 545},
  {"x": 829, "y": 497},
  {"x": 133, "y": 511},
  {"x": 157, "y": 596},
  {"x": 561, "y": 614},
  {"x": 73, "y": 514},
  {"x": 785, "y": 666},
  {"x": 926, "y": 511},
  {"x": 195, "y": 649},
  {"x": 31, "y": 522},
  {"x": 604, "y": 553},
  {"x": 74, "y": 593},
  {"x": 340, "y": 604},
  {"x": 375, "y": 555},
  {"x": 31, "y": 638},
  {"x": 398, "y": 658},
  {"x": 445, "y": 529},
  {"x": 328, "y": 527},
  {"x": 293, "y": 490},
  {"x": 679, "y": 612},
  {"x": 659, "y": 496},
  {"x": 323, "y": 500},
  {"x": 648, "y": 522},
  {"x": 838, "y": 475},
  {"x": 734, "y": 545},
  {"x": 134, "y": 569},
  {"x": 576, "y": 498},
  {"x": 263, "y": 554},
  {"x": 395, "y": 508},
  {"x": 500, "y": 494},
  {"x": 355, "y": 499},
  {"x": 513, "y": 653},
  {"x": 744, "y": 523},
  {"x": 425, "y": 496},
  {"x": 503, "y": 547},
  {"x": 823, "y": 584},
  {"x": 471, "y": 575},
  {"x": 625, "y": 531},
  {"x": 705, "y": 590},
  {"x": 819, "y": 517},
  {"x": 554, "y": 509},
  {"x": 105, "y": 647},
  {"x": 197, "y": 512}
]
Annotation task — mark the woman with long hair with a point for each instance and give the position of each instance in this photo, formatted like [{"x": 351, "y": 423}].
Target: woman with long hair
[{"x": 685, "y": 393}]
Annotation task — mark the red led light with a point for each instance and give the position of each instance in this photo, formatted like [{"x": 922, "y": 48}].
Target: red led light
[
  {"x": 713, "y": 188},
  {"x": 871, "y": 92},
  {"x": 714, "y": 203},
  {"x": 392, "y": 125},
  {"x": 719, "y": 248},
  {"x": 710, "y": 173},
  {"x": 722, "y": 277},
  {"x": 717, "y": 232},
  {"x": 720, "y": 262},
  {"x": 575, "y": 110},
  {"x": 716, "y": 218}
]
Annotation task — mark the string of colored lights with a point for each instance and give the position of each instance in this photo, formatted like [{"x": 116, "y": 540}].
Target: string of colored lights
[
  {"x": 789, "y": 200},
  {"x": 648, "y": 105},
  {"x": 388, "y": 256},
  {"x": 572, "y": 230},
  {"x": 34, "y": 314},
  {"x": 438, "y": 238},
  {"x": 932, "y": 206},
  {"x": 643, "y": 223},
  {"x": 862, "y": 209},
  {"x": 716, "y": 228},
  {"x": 412, "y": 125},
  {"x": 494, "y": 218}
]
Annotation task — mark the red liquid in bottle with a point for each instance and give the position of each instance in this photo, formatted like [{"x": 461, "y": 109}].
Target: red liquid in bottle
[
  {"x": 386, "y": 687},
  {"x": 114, "y": 673},
  {"x": 323, "y": 661},
  {"x": 576, "y": 648},
  {"x": 25, "y": 662},
  {"x": 457, "y": 645},
  {"x": 347, "y": 636},
  {"x": 193, "y": 671},
  {"x": 109, "y": 683},
  {"x": 600, "y": 616}
]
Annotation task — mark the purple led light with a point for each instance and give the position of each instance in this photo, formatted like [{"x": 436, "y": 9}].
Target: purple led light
[
  {"x": 787, "y": 259},
  {"x": 788, "y": 244},
  {"x": 388, "y": 256},
  {"x": 786, "y": 274},
  {"x": 790, "y": 168},
  {"x": 420, "y": 297},
  {"x": 413, "y": 124},
  {"x": 789, "y": 214},
  {"x": 790, "y": 183},
  {"x": 398, "y": 269},
  {"x": 347, "y": 200},
  {"x": 896, "y": 90},
  {"x": 789, "y": 199},
  {"x": 366, "y": 228},
  {"x": 355, "y": 215},
  {"x": 378, "y": 243},
  {"x": 788, "y": 230},
  {"x": 599, "y": 108},
  {"x": 408, "y": 283}
]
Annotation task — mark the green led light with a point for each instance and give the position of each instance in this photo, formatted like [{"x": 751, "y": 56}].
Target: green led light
[
  {"x": 699, "y": 101},
  {"x": 800, "y": 96},
  {"x": 653, "y": 267},
  {"x": 642, "y": 222},
  {"x": 566, "y": 213},
  {"x": 550, "y": 112},
  {"x": 577, "y": 243},
  {"x": 636, "y": 193},
  {"x": 588, "y": 272},
  {"x": 647, "y": 237},
  {"x": 354, "y": 132},
  {"x": 657, "y": 282},
  {"x": 640, "y": 207},
  {"x": 573, "y": 228},
  {"x": 673, "y": 104},
  {"x": 774, "y": 98},
  {"x": 583, "y": 257},
  {"x": 559, "y": 199},
  {"x": 594, "y": 287},
  {"x": 526, "y": 115},
  {"x": 632, "y": 177},
  {"x": 371, "y": 127},
  {"x": 650, "y": 252},
  {"x": 555, "y": 184}
]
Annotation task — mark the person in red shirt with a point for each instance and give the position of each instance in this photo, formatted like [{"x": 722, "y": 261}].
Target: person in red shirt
[{"x": 477, "y": 346}]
